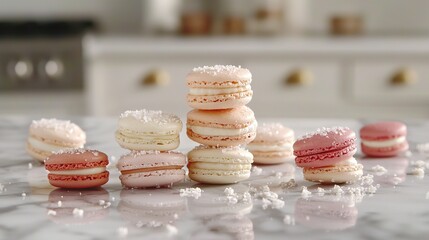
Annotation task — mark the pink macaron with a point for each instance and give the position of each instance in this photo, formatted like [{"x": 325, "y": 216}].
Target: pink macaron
[
  {"x": 145, "y": 169},
  {"x": 77, "y": 168},
  {"x": 327, "y": 155},
  {"x": 219, "y": 87},
  {"x": 228, "y": 127},
  {"x": 384, "y": 139}
]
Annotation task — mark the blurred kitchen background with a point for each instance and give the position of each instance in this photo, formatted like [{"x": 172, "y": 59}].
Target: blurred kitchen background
[{"x": 309, "y": 58}]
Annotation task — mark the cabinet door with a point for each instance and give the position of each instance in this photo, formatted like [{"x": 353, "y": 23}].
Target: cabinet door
[
  {"x": 119, "y": 84},
  {"x": 295, "y": 87}
]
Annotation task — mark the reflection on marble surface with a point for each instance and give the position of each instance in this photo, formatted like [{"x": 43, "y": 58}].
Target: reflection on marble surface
[{"x": 391, "y": 202}]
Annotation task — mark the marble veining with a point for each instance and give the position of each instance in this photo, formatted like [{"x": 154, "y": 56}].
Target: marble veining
[{"x": 31, "y": 209}]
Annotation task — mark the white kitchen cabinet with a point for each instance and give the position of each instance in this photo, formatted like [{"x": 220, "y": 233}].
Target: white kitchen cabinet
[{"x": 360, "y": 78}]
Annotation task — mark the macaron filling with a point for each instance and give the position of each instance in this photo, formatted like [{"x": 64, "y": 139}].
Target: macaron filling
[
  {"x": 80, "y": 172},
  {"x": 45, "y": 147},
  {"x": 150, "y": 169},
  {"x": 217, "y": 91},
  {"x": 210, "y": 131},
  {"x": 386, "y": 143}
]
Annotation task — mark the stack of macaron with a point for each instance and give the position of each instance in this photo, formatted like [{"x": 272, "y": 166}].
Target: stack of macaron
[
  {"x": 151, "y": 136},
  {"x": 47, "y": 136},
  {"x": 220, "y": 122},
  {"x": 273, "y": 144},
  {"x": 384, "y": 139},
  {"x": 326, "y": 155}
]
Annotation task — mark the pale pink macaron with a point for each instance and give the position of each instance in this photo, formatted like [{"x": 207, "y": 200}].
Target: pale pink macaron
[
  {"x": 219, "y": 87},
  {"x": 228, "y": 127},
  {"x": 327, "y": 155},
  {"x": 144, "y": 169},
  {"x": 384, "y": 139},
  {"x": 273, "y": 144}
]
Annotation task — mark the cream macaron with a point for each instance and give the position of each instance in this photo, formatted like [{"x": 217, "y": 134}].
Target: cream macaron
[
  {"x": 219, "y": 165},
  {"x": 273, "y": 144},
  {"x": 227, "y": 127},
  {"x": 47, "y": 136},
  {"x": 148, "y": 130},
  {"x": 219, "y": 87}
]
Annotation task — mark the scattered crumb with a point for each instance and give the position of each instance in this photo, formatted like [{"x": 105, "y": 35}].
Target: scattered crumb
[
  {"x": 396, "y": 180},
  {"x": 23, "y": 194},
  {"x": 279, "y": 175},
  {"x": 101, "y": 202},
  {"x": 51, "y": 213},
  {"x": 30, "y": 165},
  {"x": 367, "y": 179},
  {"x": 77, "y": 212},
  {"x": 60, "y": 204},
  {"x": 2, "y": 188},
  {"x": 288, "y": 220},
  {"x": 289, "y": 184},
  {"x": 256, "y": 170},
  {"x": 305, "y": 193},
  {"x": 320, "y": 191},
  {"x": 418, "y": 164},
  {"x": 379, "y": 169},
  {"x": 113, "y": 199},
  {"x": 122, "y": 232},
  {"x": 191, "y": 192},
  {"x": 337, "y": 190},
  {"x": 176, "y": 216},
  {"x": 269, "y": 198},
  {"x": 247, "y": 197},
  {"x": 171, "y": 230},
  {"x": 418, "y": 172}
]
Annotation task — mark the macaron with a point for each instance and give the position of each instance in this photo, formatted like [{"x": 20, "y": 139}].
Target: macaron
[
  {"x": 228, "y": 127},
  {"x": 326, "y": 156},
  {"x": 219, "y": 165},
  {"x": 50, "y": 135},
  {"x": 144, "y": 169},
  {"x": 272, "y": 144},
  {"x": 148, "y": 130},
  {"x": 219, "y": 87},
  {"x": 384, "y": 139},
  {"x": 77, "y": 168}
]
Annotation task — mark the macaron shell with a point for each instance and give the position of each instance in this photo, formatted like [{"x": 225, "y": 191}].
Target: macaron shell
[
  {"x": 239, "y": 117},
  {"x": 334, "y": 174},
  {"x": 223, "y": 141},
  {"x": 224, "y": 101},
  {"x": 273, "y": 133},
  {"x": 75, "y": 182},
  {"x": 136, "y": 160},
  {"x": 219, "y": 76},
  {"x": 327, "y": 158},
  {"x": 324, "y": 143},
  {"x": 153, "y": 178},
  {"x": 218, "y": 176},
  {"x": 272, "y": 157},
  {"x": 146, "y": 144},
  {"x": 76, "y": 159},
  {"x": 386, "y": 151},
  {"x": 383, "y": 131}
]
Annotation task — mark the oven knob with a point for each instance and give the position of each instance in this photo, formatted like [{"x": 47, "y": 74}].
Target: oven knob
[
  {"x": 54, "y": 68},
  {"x": 21, "y": 69}
]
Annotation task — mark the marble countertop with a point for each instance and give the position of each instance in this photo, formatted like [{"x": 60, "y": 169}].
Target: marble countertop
[{"x": 384, "y": 205}]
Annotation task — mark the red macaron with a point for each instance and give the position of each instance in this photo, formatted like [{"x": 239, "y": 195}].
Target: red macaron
[
  {"x": 77, "y": 168},
  {"x": 384, "y": 139}
]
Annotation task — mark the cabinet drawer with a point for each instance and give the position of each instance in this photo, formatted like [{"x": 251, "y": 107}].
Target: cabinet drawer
[
  {"x": 294, "y": 84},
  {"x": 405, "y": 81}
]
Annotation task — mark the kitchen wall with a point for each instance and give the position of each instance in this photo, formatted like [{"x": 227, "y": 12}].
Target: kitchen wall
[{"x": 113, "y": 16}]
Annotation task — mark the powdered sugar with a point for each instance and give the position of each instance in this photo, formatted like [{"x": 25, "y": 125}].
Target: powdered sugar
[
  {"x": 191, "y": 192},
  {"x": 152, "y": 116},
  {"x": 379, "y": 170},
  {"x": 305, "y": 193},
  {"x": 324, "y": 132},
  {"x": 217, "y": 69}
]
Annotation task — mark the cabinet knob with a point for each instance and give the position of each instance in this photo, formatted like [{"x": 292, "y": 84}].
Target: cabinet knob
[
  {"x": 157, "y": 77},
  {"x": 299, "y": 77},
  {"x": 404, "y": 77}
]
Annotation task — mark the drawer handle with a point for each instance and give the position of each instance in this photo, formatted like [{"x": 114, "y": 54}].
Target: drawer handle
[
  {"x": 157, "y": 77},
  {"x": 299, "y": 77},
  {"x": 404, "y": 77}
]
